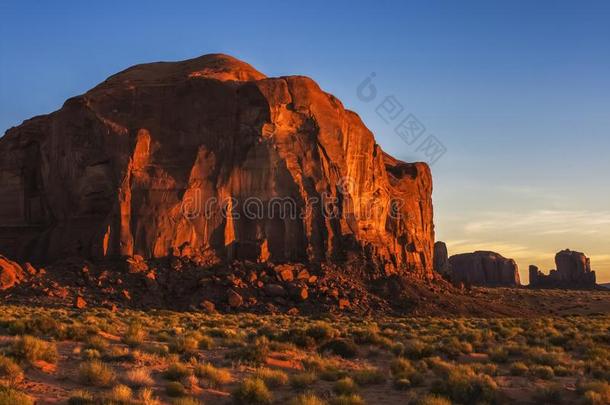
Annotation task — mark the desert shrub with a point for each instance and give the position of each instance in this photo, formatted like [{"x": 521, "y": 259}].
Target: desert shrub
[
  {"x": 345, "y": 386},
  {"x": 518, "y": 368},
  {"x": 543, "y": 372},
  {"x": 303, "y": 380},
  {"x": 135, "y": 334},
  {"x": 91, "y": 354},
  {"x": 598, "y": 369},
  {"x": 594, "y": 392},
  {"x": 95, "y": 373},
  {"x": 213, "y": 377},
  {"x": 562, "y": 371},
  {"x": 10, "y": 396},
  {"x": 404, "y": 374},
  {"x": 327, "y": 369},
  {"x": 347, "y": 400},
  {"x": 138, "y": 377},
  {"x": 186, "y": 401},
  {"x": 32, "y": 349},
  {"x": 432, "y": 400},
  {"x": 272, "y": 378},
  {"x": 463, "y": 385},
  {"x": 439, "y": 366},
  {"x": 453, "y": 347},
  {"x": 540, "y": 356},
  {"x": 96, "y": 342},
  {"x": 551, "y": 394},
  {"x": 10, "y": 371},
  {"x": 498, "y": 355},
  {"x": 176, "y": 371},
  {"x": 252, "y": 391},
  {"x": 121, "y": 394},
  {"x": 175, "y": 389},
  {"x": 81, "y": 397},
  {"x": 306, "y": 399},
  {"x": 340, "y": 347},
  {"x": 147, "y": 397},
  {"x": 416, "y": 349},
  {"x": 320, "y": 331},
  {"x": 206, "y": 343},
  {"x": 255, "y": 353},
  {"x": 117, "y": 353},
  {"x": 184, "y": 344},
  {"x": 368, "y": 376}
]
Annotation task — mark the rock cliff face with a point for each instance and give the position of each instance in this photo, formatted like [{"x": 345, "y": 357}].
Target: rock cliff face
[
  {"x": 484, "y": 269},
  {"x": 210, "y": 156},
  {"x": 441, "y": 259},
  {"x": 573, "y": 271}
]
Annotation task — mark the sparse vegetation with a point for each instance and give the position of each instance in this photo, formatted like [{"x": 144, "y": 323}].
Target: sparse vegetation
[{"x": 429, "y": 361}]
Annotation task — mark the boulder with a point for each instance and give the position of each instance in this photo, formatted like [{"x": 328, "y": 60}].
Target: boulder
[
  {"x": 11, "y": 273},
  {"x": 234, "y": 299},
  {"x": 151, "y": 160},
  {"x": 79, "y": 302},
  {"x": 483, "y": 268},
  {"x": 275, "y": 290}
]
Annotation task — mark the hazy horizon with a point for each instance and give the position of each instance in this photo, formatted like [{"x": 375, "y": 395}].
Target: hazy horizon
[{"x": 517, "y": 93}]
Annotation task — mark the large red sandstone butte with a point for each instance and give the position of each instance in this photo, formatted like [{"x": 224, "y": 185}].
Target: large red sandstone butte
[{"x": 149, "y": 161}]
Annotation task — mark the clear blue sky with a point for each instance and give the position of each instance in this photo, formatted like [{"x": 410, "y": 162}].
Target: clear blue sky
[{"x": 517, "y": 91}]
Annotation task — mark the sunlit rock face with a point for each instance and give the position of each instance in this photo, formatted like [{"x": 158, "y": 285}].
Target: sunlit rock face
[
  {"x": 208, "y": 155},
  {"x": 484, "y": 269}
]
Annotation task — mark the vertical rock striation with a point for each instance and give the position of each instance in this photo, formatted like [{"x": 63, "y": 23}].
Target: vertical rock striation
[{"x": 208, "y": 155}]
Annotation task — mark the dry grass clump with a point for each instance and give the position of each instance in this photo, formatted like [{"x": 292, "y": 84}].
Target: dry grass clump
[
  {"x": 404, "y": 374},
  {"x": 463, "y": 385},
  {"x": 304, "y": 380},
  {"x": 594, "y": 392},
  {"x": 353, "y": 399},
  {"x": 31, "y": 349},
  {"x": 186, "y": 401},
  {"x": 138, "y": 377},
  {"x": 254, "y": 353},
  {"x": 306, "y": 399},
  {"x": 432, "y": 400},
  {"x": 121, "y": 394},
  {"x": 368, "y": 376},
  {"x": 345, "y": 386},
  {"x": 96, "y": 373},
  {"x": 252, "y": 391},
  {"x": 10, "y": 396},
  {"x": 10, "y": 372},
  {"x": 345, "y": 348},
  {"x": 272, "y": 378},
  {"x": 135, "y": 335},
  {"x": 176, "y": 371},
  {"x": 214, "y": 377}
]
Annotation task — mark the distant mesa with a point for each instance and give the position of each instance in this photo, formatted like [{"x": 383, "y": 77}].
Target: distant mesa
[
  {"x": 573, "y": 271},
  {"x": 480, "y": 268}
]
